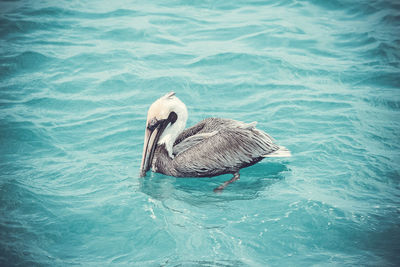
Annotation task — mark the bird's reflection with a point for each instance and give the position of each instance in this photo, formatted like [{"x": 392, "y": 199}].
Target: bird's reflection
[{"x": 253, "y": 181}]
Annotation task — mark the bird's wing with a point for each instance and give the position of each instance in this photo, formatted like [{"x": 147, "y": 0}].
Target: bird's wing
[
  {"x": 190, "y": 142},
  {"x": 190, "y": 132},
  {"x": 226, "y": 151},
  {"x": 210, "y": 125},
  {"x": 204, "y": 129}
]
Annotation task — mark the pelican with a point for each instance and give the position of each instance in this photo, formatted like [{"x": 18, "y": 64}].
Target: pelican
[{"x": 212, "y": 147}]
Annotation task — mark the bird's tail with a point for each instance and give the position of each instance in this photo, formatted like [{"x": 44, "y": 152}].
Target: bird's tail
[{"x": 280, "y": 153}]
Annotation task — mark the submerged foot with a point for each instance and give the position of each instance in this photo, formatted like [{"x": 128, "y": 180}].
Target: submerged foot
[{"x": 236, "y": 176}]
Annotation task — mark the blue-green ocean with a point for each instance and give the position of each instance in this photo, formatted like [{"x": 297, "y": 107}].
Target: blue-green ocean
[{"x": 321, "y": 77}]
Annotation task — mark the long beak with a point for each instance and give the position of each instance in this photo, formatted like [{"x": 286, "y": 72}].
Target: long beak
[
  {"x": 151, "y": 137},
  {"x": 144, "y": 166},
  {"x": 150, "y": 142}
]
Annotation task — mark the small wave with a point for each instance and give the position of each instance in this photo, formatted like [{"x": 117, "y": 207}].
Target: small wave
[
  {"x": 16, "y": 28},
  {"x": 242, "y": 60},
  {"x": 51, "y": 12},
  {"x": 25, "y": 61}
]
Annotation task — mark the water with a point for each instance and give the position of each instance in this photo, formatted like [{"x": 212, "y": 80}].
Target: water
[{"x": 321, "y": 77}]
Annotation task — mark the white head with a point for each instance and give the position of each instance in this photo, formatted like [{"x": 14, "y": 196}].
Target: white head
[{"x": 166, "y": 119}]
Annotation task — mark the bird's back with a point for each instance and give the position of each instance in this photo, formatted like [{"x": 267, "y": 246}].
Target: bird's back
[{"x": 216, "y": 146}]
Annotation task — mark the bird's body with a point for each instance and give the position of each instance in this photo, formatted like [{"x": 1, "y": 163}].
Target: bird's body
[{"x": 212, "y": 147}]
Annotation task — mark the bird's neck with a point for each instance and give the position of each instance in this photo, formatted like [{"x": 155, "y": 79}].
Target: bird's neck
[
  {"x": 162, "y": 163},
  {"x": 168, "y": 142},
  {"x": 170, "y": 134}
]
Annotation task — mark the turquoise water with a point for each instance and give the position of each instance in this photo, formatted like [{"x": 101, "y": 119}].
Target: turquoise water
[{"x": 76, "y": 79}]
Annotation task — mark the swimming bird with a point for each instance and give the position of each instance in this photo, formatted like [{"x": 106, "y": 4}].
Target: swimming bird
[{"x": 212, "y": 147}]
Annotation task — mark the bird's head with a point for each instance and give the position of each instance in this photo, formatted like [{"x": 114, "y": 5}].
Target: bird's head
[{"x": 166, "y": 119}]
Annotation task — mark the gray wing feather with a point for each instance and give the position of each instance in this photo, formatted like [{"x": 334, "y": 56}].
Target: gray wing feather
[
  {"x": 190, "y": 141},
  {"x": 190, "y": 131},
  {"x": 230, "y": 149},
  {"x": 209, "y": 125}
]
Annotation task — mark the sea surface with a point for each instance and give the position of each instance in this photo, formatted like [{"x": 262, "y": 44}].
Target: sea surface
[{"x": 321, "y": 77}]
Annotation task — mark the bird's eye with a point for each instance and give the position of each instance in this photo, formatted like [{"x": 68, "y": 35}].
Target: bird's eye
[{"x": 172, "y": 117}]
